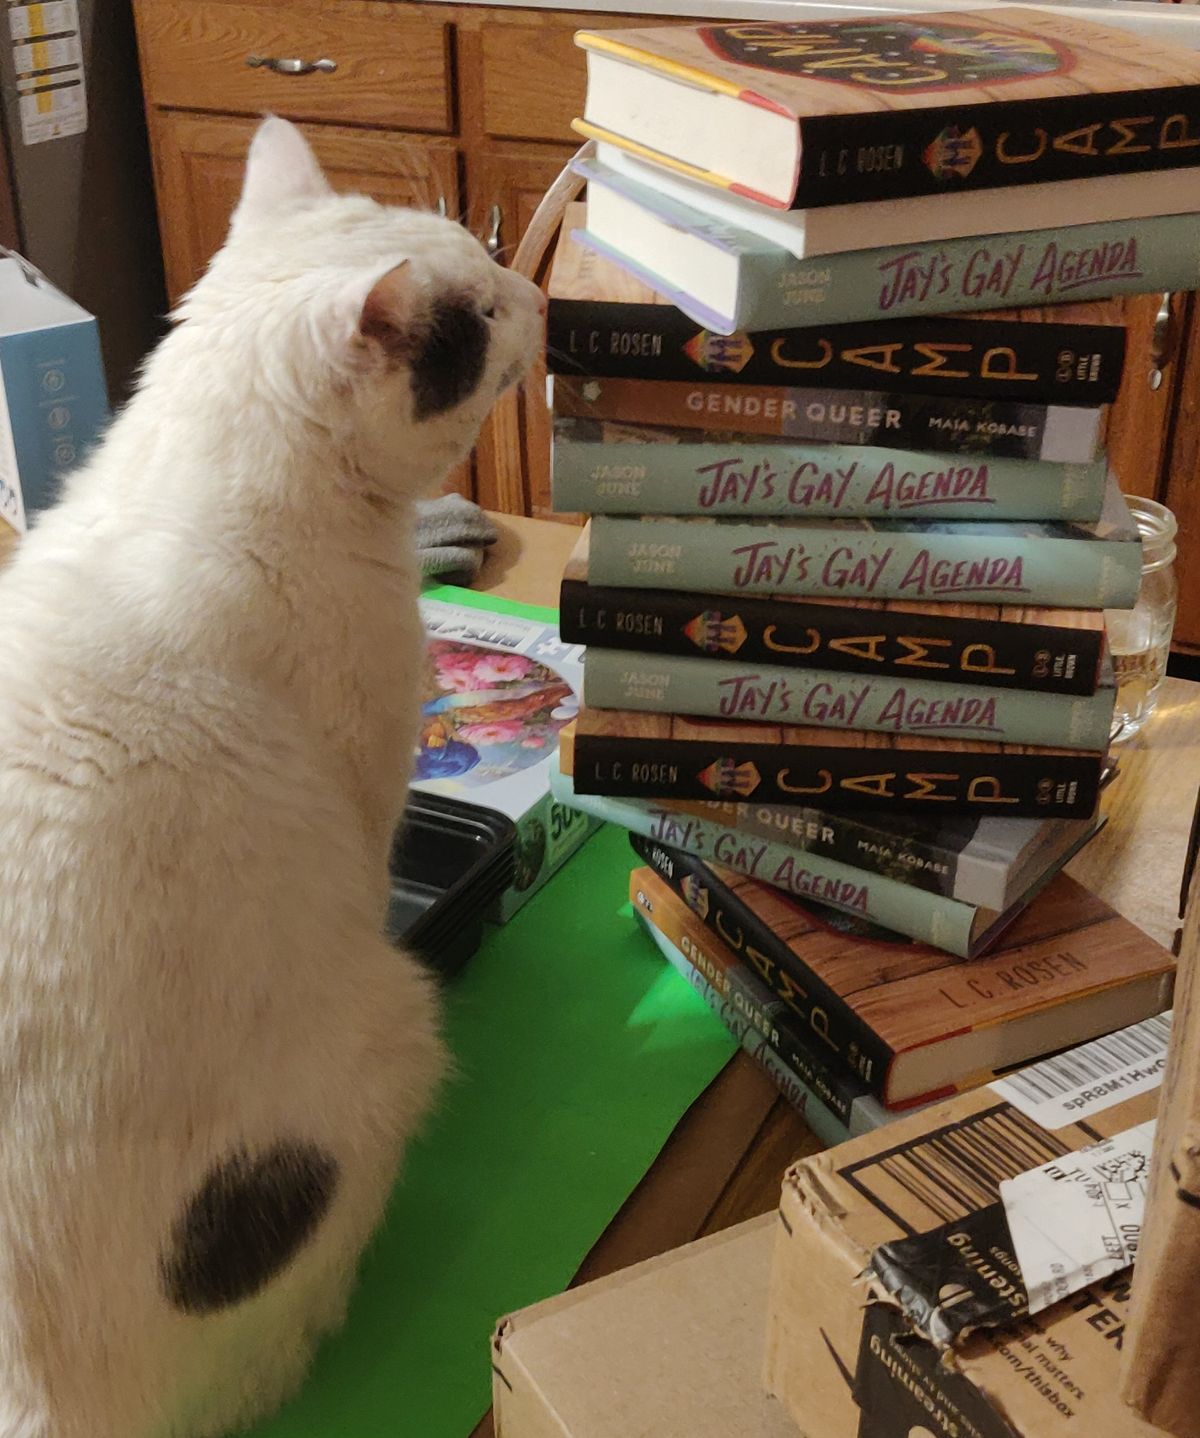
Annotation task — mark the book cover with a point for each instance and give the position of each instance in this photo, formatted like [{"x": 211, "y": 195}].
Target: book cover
[
  {"x": 823, "y": 1094},
  {"x": 876, "y": 107},
  {"x": 834, "y": 229},
  {"x": 1055, "y": 651},
  {"x": 739, "y": 281},
  {"x": 1069, "y": 565},
  {"x": 607, "y": 467},
  {"x": 649, "y": 756},
  {"x": 604, "y": 322},
  {"x": 914, "y": 1022},
  {"x": 1059, "y": 434},
  {"x": 669, "y": 684},
  {"x": 982, "y": 862},
  {"x": 500, "y": 685}
]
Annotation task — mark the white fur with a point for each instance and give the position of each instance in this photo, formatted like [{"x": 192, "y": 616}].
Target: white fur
[{"x": 210, "y": 659}]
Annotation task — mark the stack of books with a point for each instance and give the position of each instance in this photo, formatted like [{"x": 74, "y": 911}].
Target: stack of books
[{"x": 831, "y": 355}]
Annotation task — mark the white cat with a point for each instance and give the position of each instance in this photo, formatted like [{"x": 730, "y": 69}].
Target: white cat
[{"x": 210, "y": 661}]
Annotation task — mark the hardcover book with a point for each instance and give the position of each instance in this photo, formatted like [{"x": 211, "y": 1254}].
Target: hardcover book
[
  {"x": 1069, "y": 565},
  {"x": 729, "y": 279},
  {"x": 833, "y": 1102},
  {"x": 916, "y": 1023},
  {"x": 499, "y": 687},
  {"x": 604, "y": 322},
  {"x": 888, "y": 898},
  {"x": 668, "y": 684},
  {"x": 835, "y": 229},
  {"x": 1058, "y": 434},
  {"x": 1052, "y": 651},
  {"x": 652, "y": 756},
  {"x": 817, "y": 112},
  {"x": 606, "y": 467},
  {"x": 980, "y": 862}
]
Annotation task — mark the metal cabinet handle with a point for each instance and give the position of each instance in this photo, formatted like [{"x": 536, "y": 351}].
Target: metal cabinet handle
[
  {"x": 492, "y": 242},
  {"x": 1162, "y": 342},
  {"x": 293, "y": 66},
  {"x": 442, "y": 208}
]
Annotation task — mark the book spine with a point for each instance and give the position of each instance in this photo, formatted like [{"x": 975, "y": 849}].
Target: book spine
[
  {"x": 828, "y": 1117},
  {"x": 885, "y": 779},
  {"x": 850, "y": 158},
  {"x": 669, "y": 472},
  {"x": 892, "y": 903},
  {"x": 620, "y": 679},
  {"x": 1046, "y": 361},
  {"x": 1035, "y": 656},
  {"x": 1030, "y": 267},
  {"x": 831, "y": 1027},
  {"x": 941, "y": 424},
  {"x": 988, "y": 565}
]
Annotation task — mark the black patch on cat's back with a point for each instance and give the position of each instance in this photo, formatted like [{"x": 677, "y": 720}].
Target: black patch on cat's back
[
  {"x": 245, "y": 1223},
  {"x": 450, "y": 357}
]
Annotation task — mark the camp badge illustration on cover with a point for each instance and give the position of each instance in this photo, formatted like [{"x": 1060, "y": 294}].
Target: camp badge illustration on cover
[{"x": 915, "y": 55}]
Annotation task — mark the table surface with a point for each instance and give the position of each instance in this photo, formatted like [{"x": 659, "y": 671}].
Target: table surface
[{"x": 727, "y": 1155}]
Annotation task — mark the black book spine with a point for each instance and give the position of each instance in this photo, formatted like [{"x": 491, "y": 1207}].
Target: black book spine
[
  {"x": 987, "y": 359},
  {"x": 848, "y": 1058},
  {"x": 888, "y": 154},
  {"x": 1051, "y": 785},
  {"x": 823, "y": 636}
]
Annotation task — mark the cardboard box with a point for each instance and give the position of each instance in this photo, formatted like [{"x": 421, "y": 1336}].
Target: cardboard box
[
  {"x": 501, "y": 686},
  {"x": 53, "y": 399},
  {"x": 670, "y": 1348},
  {"x": 902, "y": 1235}
]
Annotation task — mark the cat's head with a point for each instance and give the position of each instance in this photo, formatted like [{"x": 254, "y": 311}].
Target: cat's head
[{"x": 392, "y": 327}]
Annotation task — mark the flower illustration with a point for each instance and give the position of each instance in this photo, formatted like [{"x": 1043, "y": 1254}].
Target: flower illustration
[
  {"x": 497, "y": 731},
  {"x": 501, "y": 668}
]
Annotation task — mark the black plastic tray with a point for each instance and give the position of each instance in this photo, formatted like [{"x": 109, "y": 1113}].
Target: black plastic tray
[{"x": 449, "y": 861}]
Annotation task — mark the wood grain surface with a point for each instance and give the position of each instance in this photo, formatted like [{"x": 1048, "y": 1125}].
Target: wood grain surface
[{"x": 393, "y": 65}]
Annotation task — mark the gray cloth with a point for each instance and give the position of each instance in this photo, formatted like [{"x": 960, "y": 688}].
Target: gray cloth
[{"x": 452, "y": 534}]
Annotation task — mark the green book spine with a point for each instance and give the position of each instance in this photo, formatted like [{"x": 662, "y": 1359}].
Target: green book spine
[
  {"x": 668, "y": 684},
  {"x": 1054, "y": 566},
  {"x": 931, "y": 918},
  {"x": 615, "y": 469},
  {"x": 1029, "y": 267}
]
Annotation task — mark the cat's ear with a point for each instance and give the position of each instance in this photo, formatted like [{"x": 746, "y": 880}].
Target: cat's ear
[
  {"x": 281, "y": 172},
  {"x": 387, "y": 313}
]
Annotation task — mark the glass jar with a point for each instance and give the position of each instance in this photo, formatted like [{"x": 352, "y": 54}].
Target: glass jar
[{"x": 1140, "y": 638}]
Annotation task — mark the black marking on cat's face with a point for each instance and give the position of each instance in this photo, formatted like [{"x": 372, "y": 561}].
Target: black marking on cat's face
[
  {"x": 450, "y": 358},
  {"x": 245, "y": 1224}
]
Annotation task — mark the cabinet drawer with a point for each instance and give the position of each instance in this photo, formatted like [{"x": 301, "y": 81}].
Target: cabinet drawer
[{"x": 392, "y": 66}]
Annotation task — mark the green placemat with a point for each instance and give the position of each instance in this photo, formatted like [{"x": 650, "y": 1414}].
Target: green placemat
[{"x": 579, "y": 1050}]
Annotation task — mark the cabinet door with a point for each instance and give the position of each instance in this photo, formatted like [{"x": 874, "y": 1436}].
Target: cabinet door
[
  {"x": 505, "y": 184},
  {"x": 199, "y": 162},
  {"x": 1181, "y": 489}
]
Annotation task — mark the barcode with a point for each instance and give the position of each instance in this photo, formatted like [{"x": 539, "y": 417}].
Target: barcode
[
  {"x": 1130, "y": 1051},
  {"x": 954, "y": 1172}
]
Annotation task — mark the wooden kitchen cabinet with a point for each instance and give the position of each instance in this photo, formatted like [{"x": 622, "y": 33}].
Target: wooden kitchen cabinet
[{"x": 472, "y": 105}]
